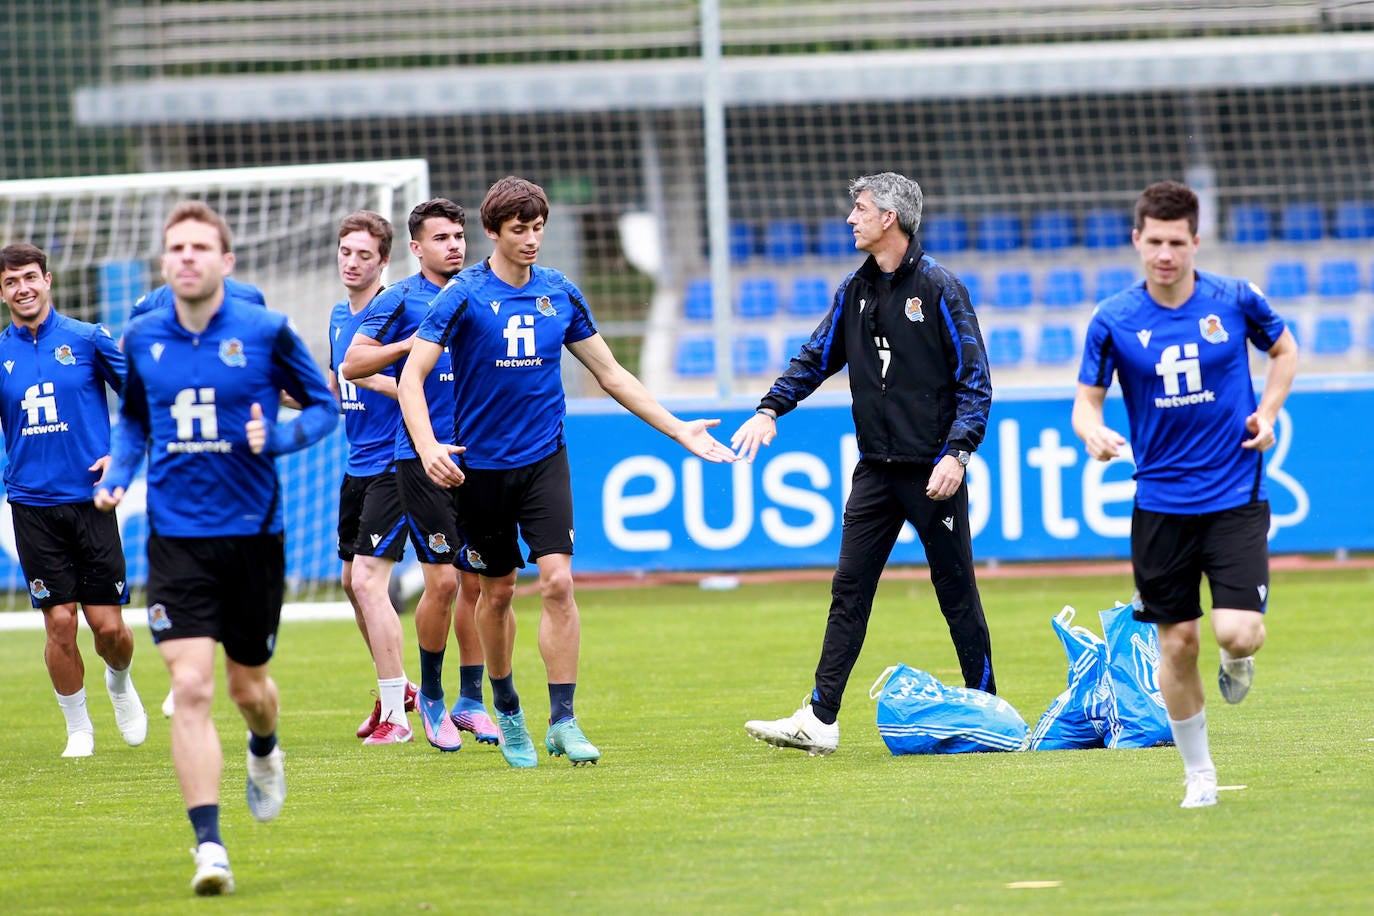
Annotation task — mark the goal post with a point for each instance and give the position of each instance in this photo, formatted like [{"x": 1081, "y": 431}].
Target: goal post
[{"x": 103, "y": 238}]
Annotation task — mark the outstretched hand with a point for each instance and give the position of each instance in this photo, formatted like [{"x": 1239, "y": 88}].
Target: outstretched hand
[
  {"x": 256, "y": 428},
  {"x": 695, "y": 438},
  {"x": 760, "y": 429}
]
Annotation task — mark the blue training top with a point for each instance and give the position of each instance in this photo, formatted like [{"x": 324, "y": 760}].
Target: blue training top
[
  {"x": 1185, "y": 378},
  {"x": 186, "y": 403},
  {"x": 370, "y": 419},
  {"x": 505, "y": 348},
  {"x": 394, "y": 315},
  {"x": 54, "y": 407},
  {"x": 162, "y": 297}
]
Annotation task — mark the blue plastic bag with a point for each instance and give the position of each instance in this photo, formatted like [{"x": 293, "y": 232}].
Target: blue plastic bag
[
  {"x": 1138, "y": 717},
  {"x": 1078, "y": 717},
  {"x": 919, "y": 715}
]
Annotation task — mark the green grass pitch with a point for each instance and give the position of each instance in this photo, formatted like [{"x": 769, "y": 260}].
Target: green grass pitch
[{"x": 686, "y": 814}]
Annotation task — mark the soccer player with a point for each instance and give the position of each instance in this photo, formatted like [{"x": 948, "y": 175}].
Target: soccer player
[
  {"x": 505, "y": 322},
  {"x": 371, "y": 522},
  {"x": 918, "y": 376},
  {"x": 1177, "y": 344},
  {"x": 199, "y": 375},
  {"x": 57, "y": 437},
  {"x": 438, "y": 240}
]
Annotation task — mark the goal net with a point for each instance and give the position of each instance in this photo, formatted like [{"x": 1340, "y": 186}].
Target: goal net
[{"x": 103, "y": 237}]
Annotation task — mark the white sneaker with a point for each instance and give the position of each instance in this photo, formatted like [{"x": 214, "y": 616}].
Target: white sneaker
[
  {"x": 80, "y": 744},
  {"x": 1235, "y": 676},
  {"x": 168, "y": 707},
  {"x": 213, "y": 876},
  {"x": 266, "y": 784},
  {"x": 129, "y": 716},
  {"x": 801, "y": 730},
  {"x": 1199, "y": 789}
]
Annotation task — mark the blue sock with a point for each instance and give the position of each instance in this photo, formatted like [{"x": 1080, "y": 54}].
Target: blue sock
[
  {"x": 432, "y": 674},
  {"x": 561, "y": 702},
  {"x": 205, "y": 821},
  {"x": 470, "y": 681},
  {"x": 503, "y": 695},
  {"x": 260, "y": 745}
]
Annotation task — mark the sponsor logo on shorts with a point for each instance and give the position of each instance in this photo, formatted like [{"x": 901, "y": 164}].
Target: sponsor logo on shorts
[
  {"x": 475, "y": 559},
  {"x": 64, "y": 355},
  {"x": 231, "y": 353},
  {"x": 158, "y": 621},
  {"x": 438, "y": 543},
  {"x": 39, "y": 589}
]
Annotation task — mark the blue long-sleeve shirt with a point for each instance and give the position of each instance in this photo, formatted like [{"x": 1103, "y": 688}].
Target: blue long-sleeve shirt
[
  {"x": 188, "y": 400},
  {"x": 54, "y": 407}
]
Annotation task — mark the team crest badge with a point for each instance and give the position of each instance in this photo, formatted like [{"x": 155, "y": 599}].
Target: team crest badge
[
  {"x": 438, "y": 543},
  {"x": 1211, "y": 329},
  {"x": 475, "y": 559},
  {"x": 64, "y": 355},
  {"x": 913, "y": 310},
  {"x": 39, "y": 589},
  {"x": 231, "y": 353},
  {"x": 158, "y": 621},
  {"x": 545, "y": 306}
]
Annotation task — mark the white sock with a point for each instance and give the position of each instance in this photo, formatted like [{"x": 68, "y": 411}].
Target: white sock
[
  {"x": 1227, "y": 658},
  {"x": 393, "y": 694},
  {"x": 74, "y": 710},
  {"x": 1190, "y": 736},
  {"x": 117, "y": 682}
]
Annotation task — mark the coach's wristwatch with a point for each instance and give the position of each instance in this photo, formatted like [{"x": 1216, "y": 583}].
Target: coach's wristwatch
[{"x": 960, "y": 456}]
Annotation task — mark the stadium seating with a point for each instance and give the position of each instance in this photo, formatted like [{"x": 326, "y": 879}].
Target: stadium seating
[
  {"x": 119, "y": 284},
  {"x": 743, "y": 243},
  {"x": 1286, "y": 280},
  {"x": 1106, "y": 229},
  {"x": 973, "y": 284},
  {"x": 785, "y": 241},
  {"x": 1058, "y": 344},
  {"x": 751, "y": 355},
  {"x": 1111, "y": 280},
  {"x": 1332, "y": 335},
  {"x": 998, "y": 232},
  {"x": 941, "y": 234},
  {"x": 1005, "y": 347},
  {"x": 758, "y": 298},
  {"x": 791, "y": 346},
  {"x": 1353, "y": 220},
  {"x": 1063, "y": 287},
  {"x": 696, "y": 357},
  {"x": 809, "y": 296},
  {"x": 1301, "y": 222},
  {"x": 835, "y": 239},
  {"x": 696, "y": 305},
  {"x": 1051, "y": 230},
  {"x": 1338, "y": 279},
  {"x": 1248, "y": 224},
  {"x": 1012, "y": 289}
]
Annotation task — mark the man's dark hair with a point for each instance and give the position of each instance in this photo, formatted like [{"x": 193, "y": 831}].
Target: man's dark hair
[
  {"x": 22, "y": 254},
  {"x": 1167, "y": 200},
  {"x": 440, "y": 207},
  {"x": 513, "y": 198},
  {"x": 374, "y": 224}
]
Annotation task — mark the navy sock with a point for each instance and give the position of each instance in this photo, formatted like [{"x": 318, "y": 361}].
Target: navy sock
[
  {"x": 432, "y": 673},
  {"x": 205, "y": 821},
  {"x": 470, "y": 681},
  {"x": 260, "y": 745},
  {"x": 561, "y": 702},
  {"x": 825, "y": 714},
  {"x": 503, "y": 695}
]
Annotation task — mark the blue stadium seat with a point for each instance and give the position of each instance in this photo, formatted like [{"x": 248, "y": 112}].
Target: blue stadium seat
[
  {"x": 973, "y": 283},
  {"x": 1106, "y": 229},
  {"x": 785, "y": 241},
  {"x": 1338, "y": 279},
  {"x": 696, "y": 304},
  {"x": 1051, "y": 230},
  {"x": 1248, "y": 224},
  {"x": 1058, "y": 344},
  {"x": 1063, "y": 287},
  {"x": 1293, "y": 329},
  {"x": 1013, "y": 289},
  {"x": 1332, "y": 335},
  {"x": 998, "y": 232},
  {"x": 758, "y": 298},
  {"x": 941, "y": 234},
  {"x": 696, "y": 357},
  {"x": 1005, "y": 347},
  {"x": 1353, "y": 220},
  {"x": 751, "y": 356},
  {"x": 835, "y": 239},
  {"x": 743, "y": 243},
  {"x": 119, "y": 284},
  {"x": 1111, "y": 280},
  {"x": 1301, "y": 222},
  {"x": 810, "y": 296},
  {"x": 1286, "y": 280}
]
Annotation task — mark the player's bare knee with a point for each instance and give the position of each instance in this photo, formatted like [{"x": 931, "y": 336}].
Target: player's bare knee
[{"x": 556, "y": 588}]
